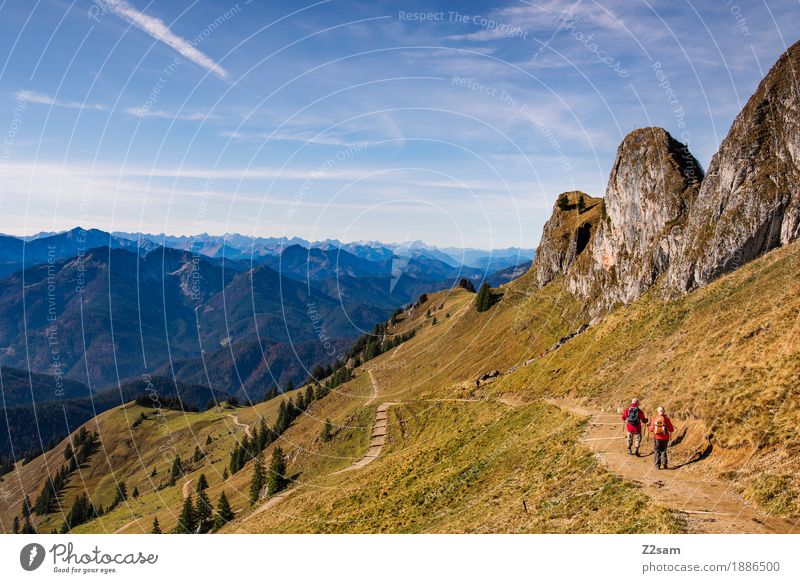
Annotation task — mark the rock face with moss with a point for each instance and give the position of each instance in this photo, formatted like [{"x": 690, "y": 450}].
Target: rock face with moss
[
  {"x": 749, "y": 202},
  {"x": 653, "y": 183},
  {"x": 566, "y": 235}
]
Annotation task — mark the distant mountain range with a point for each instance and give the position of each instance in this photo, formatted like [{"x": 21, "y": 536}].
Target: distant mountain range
[
  {"x": 91, "y": 311},
  {"x": 237, "y": 246}
]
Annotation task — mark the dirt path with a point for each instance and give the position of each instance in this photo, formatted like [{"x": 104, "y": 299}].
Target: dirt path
[
  {"x": 374, "y": 388},
  {"x": 186, "y": 490},
  {"x": 279, "y": 497},
  {"x": 709, "y": 505},
  {"x": 127, "y": 524},
  {"x": 247, "y": 431},
  {"x": 376, "y": 443},
  {"x": 373, "y": 451},
  {"x": 377, "y": 440}
]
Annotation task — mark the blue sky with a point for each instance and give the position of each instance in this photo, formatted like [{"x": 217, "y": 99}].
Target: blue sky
[{"x": 457, "y": 123}]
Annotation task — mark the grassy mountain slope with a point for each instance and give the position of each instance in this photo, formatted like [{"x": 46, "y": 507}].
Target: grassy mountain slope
[
  {"x": 461, "y": 457},
  {"x": 721, "y": 359}
]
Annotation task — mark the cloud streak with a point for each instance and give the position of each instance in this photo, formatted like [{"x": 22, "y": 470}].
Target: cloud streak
[
  {"x": 143, "y": 112},
  {"x": 44, "y": 99},
  {"x": 156, "y": 28}
]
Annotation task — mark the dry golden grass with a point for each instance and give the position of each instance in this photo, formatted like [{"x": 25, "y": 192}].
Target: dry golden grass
[
  {"x": 467, "y": 467},
  {"x": 724, "y": 360},
  {"x": 461, "y": 457}
]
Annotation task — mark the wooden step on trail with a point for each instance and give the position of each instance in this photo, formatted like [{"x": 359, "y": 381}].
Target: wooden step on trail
[{"x": 377, "y": 441}]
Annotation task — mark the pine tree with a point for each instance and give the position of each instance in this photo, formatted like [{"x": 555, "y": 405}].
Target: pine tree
[
  {"x": 15, "y": 525},
  {"x": 27, "y": 528},
  {"x": 258, "y": 479},
  {"x": 156, "y": 527},
  {"x": 265, "y": 435},
  {"x": 81, "y": 511},
  {"x": 224, "y": 512},
  {"x": 327, "y": 431},
  {"x": 135, "y": 492},
  {"x": 276, "y": 479},
  {"x": 208, "y": 439},
  {"x": 235, "y": 457},
  {"x": 68, "y": 453},
  {"x": 153, "y": 473},
  {"x": 247, "y": 451},
  {"x": 225, "y": 474},
  {"x": 309, "y": 396},
  {"x": 289, "y": 386},
  {"x": 198, "y": 454},
  {"x": 271, "y": 393},
  {"x": 483, "y": 301},
  {"x": 203, "y": 512},
  {"x": 26, "y": 507},
  {"x": 122, "y": 493},
  {"x": 202, "y": 483},
  {"x": 186, "y": 521},
  {"x": 282, "y": 422},
  {"x": 176, "y": 471},
  {"x": 44, "y": 502}
]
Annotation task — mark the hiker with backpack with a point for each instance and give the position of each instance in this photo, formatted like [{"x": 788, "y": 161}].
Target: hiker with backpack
[
  {"x": 662, "y": 429},
  {"x": 634, "y": 417}
]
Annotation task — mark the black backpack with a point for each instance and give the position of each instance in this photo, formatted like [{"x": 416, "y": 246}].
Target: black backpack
[{"x": 633, "y": 416}]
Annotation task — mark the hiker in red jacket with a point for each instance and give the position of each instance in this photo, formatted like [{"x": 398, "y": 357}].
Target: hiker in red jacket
[
  {"x": 662, "y": 429},
  {"x": 634, "y": 417}
]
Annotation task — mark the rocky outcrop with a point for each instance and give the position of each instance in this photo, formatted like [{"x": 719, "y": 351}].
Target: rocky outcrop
[
  {"x": 466, "y": 284},
  {"x": 749, "y": 201},
  {"x": 662, "y": 223},
  {"x": 566, "y": 235},
  {"x": 653, "y": 183}
]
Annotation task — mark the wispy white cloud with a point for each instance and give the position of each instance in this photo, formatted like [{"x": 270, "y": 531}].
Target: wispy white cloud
[
  {"x": 156, "y": 28},
  {"x": 541, "y": 15},
  {"x": 548, "y": 17},
  {"x": 358, "y": 131},
  {"x": 143, "y": 112},
  {"x": 307, "y": 137},
  {"x": 44, "y": 99}
]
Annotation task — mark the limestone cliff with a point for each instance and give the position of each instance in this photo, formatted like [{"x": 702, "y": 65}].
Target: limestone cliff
[
  {"x": 662, "y": 223},
  {"x": 749, "y": 202},
  {"x": 653, "y": 183}
]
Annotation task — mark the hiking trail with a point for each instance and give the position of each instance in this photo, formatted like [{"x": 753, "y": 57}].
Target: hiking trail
[
  {"x": 186, "y": 490},
  {"x": 247, "y": 431},
  {"x": 373, "y": 451},
  {"x": 709, "y": 506},
  {"x": 374, "y": 388},
  {"x": 127, "y": 524},
  {"x": 376, "y": 443}
]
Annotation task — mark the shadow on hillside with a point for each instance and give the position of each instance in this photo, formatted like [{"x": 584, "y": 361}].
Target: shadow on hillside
[
  {"x": 698, "y": 456},
  {"x": 496, "y": 297},
  {"x": 678, "y": 439}
]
